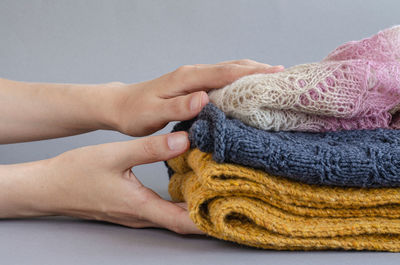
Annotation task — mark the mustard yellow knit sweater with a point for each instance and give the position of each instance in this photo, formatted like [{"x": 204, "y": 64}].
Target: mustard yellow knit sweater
[{"x": 248, "y": 206}]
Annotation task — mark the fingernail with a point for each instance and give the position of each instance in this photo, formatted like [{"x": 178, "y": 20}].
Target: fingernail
[
  {"x": 195, "y": 103},
  {"x": 274, "y": 69},
  {"x": 204, "y": 99},
  {"x": 177, "y": 141},
  {"x": 279, "y": 67}
]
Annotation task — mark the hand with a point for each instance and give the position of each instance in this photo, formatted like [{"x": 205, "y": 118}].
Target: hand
[
  {"x": 36, "y": 111},
  {"x": 144, "y": 108},
  {"x": 96, "y": 182}
]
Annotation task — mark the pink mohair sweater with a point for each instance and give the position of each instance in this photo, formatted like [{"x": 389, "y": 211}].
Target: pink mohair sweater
[{"x": 357, "y": 86}]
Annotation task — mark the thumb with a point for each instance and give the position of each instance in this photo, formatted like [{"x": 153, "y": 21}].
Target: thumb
[{"x": 150, "y": 149}]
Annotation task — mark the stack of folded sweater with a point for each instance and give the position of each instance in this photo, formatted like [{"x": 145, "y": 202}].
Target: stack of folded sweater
[{"x": 308, "y": 158}]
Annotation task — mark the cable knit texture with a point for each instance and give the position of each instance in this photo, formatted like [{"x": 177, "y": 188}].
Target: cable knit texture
[
  {"x": 357, "y": 86},
  {"x": 250, "y": 207},
  {"x": 357, "y": 158}
]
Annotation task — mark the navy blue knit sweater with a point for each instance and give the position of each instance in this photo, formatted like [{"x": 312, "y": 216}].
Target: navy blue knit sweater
[{"x": 358, "y": 158}]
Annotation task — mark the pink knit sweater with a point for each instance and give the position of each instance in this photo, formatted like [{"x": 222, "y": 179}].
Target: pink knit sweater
[{"x": 357, "y": 86}]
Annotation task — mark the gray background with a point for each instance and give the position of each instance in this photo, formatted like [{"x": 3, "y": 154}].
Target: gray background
[{"x": 132, "y": 41}]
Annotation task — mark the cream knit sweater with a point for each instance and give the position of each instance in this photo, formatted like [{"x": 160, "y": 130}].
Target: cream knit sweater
[{"x": 357, "y": 86}]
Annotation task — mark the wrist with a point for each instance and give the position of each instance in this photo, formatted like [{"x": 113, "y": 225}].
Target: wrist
[
  {"x": 107, "y": 105},
  {"x": 89, "y": 107},
  {"x": 121, "y": 104},
  {"x": 100, "y": 106}
]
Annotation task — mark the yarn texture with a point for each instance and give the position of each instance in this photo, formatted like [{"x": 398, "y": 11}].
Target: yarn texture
[
  {"x": 357, "y": 86},
  {"x": 251, "y": 207},
  {"x": 356, "y": 158}
]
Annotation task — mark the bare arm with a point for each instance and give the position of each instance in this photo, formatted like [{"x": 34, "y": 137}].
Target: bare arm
[
  {"x": 96, "y": 182},
  {"x": 35, "y": 111}
]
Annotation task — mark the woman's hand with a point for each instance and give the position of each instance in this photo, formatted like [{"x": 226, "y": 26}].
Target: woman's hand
[
  {"x": 143, "y": 108},
  {"x": 36, "y": 111},
  {"x": 96, "y": 182}
]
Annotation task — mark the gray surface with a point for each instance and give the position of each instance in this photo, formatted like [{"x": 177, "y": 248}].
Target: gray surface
[{"x": 132, "y": 41}]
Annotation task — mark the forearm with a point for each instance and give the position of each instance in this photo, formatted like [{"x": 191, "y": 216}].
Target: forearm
[
  {"x": 35, "y": 111},
  {"x": 24, "y": 190}
]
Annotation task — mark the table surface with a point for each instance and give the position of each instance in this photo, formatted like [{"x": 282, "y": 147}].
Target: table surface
[{"x": 62, "y": 240}]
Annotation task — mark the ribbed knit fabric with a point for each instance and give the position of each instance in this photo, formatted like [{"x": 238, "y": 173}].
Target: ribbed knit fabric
[
  {"x": 358, "y": 158},
  {"x": 250, "y": 207},
  {"x": 357, "y": 86}
]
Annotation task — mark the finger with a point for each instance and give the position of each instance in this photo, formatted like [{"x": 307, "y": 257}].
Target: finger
[
  {"x": 182, "y": 107},
  {"x": 182, "y": 205},
  {"x": 239, "y": 62},
  {"x": 124, "y": 155},
  {"x": 189, "y": 79},
  {"x": 245, "y": 62},
  {"x": 135, "y": 224},
  {"x": 217, "y": 76},
  {"x": 171, "y": 216}
]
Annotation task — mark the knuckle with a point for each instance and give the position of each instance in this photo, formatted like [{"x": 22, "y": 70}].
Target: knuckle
[
  {"x": 247, "y": 61},
  {"x": 229, "y": 71},
  {"x": 182, "y": 73},
  {"x": 184, "y": 69},
  {"x": 187, "y": 75},
  {"x": 178, "y": 229},
  {"x": 178, "y": 226},
  {"x": 149, "y": 148},
  {"x": 115, "y": 84},
  {"x": 178, "y": 107},
  {"x": 143, "y": 197}
]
